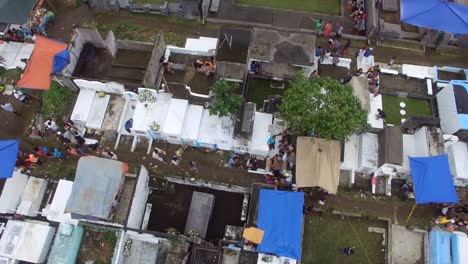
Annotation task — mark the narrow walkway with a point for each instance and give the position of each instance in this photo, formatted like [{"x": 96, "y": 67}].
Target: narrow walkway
[{"x": 278, "y": 18}]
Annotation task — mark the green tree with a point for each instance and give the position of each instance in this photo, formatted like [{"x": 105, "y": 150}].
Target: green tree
[
  {"x": 226, "y": 100},
  {"x": 322, "y": 107}
]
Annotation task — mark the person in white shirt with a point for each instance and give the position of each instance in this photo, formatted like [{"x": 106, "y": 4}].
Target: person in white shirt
[
  {"x": 20, "y": 96},
  {"x": 51, "y": 125},
  {"x": 9, "y": 108}
]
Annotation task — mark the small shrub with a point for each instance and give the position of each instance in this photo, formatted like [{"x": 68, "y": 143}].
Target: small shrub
[
  {"x": 55, "y": 101},
  {"x": 110, "y": 237}
]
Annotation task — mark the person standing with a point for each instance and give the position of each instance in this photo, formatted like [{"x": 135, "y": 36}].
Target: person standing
[
  {"x": 271, "y": 142},
  {"x": 57, "y": 153},
  {"x": 318, "y": 25},
  {"x": 346, "y": 47},
  {"x": 51, "y": 125},
  {"x": 347, "y": 78},
  {"x": 339, "y": 30},
  {"x": 391, "y": 62},
  {"x": 129, "y": 125},
  {"x": 328, "y": 29},
  {"x": 9, "y": 108},
  {"x": 20, "y": 96},
  {"x": 318, "y": 51},
  {"x": 348, "y": 251}
]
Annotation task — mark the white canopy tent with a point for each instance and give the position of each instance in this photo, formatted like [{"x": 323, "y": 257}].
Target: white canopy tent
[
  {"x": 97, "y": 111},
  {"x": 11, "y": 193},
  {"x": 225, "y": 133},
  {"x": 458, "y": 160},
  {"x": 56, "y": 210},
  {"x": 192, "y": 125},
  {"x": 176, "y": 113},
  {"x": 375, "y": 104},
  {"x": 260, "y": 133},
  {"x": 82, "y": 107},
  {"x": 26, "y": 241},
  {"x": 13, "y": 52},
  {"x": 146, "y": 113},
  {"x": 208, "y": 128}
]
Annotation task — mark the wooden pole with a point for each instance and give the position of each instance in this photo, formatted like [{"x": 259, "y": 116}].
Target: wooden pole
[
  {"x": 165, "y": 83},
  {"x": 50, "y": 4},
  {"x": 410, "y": 214}
]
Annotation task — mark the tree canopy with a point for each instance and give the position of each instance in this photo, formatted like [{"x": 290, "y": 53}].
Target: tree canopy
[
  {"x": 226, "y": 98},
  {"x": 322, "y": 107}
]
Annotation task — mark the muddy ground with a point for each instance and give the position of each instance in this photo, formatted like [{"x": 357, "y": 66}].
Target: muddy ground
[{"x": 96, "y": 245}]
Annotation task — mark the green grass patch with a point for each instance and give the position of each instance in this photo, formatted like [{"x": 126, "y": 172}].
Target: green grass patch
[
  {"x": 330, "y": 7},
  {"x": 129, "y": 31},
  {"x": 324, "y": 237},
  {"x": 55, "y": 101},
  {"x": 110, "y": 237},
  {"x": 258, "y": 90},
  {"x": 391, "y": 107},
  {"x": 59, "y": 171},
  {"x": 9, "y": 76}
]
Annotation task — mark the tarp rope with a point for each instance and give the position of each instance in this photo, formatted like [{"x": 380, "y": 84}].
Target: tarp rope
[{"x": 354, "y": 231}]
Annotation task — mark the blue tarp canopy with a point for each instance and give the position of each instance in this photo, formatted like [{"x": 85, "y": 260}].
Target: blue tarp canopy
[
  {"x": 435, "y": 14},
  {"x": 439, "y": 247},
  {"x": 61, "y": 60},
  {"x": 280, "y": 217},
  {"x": 432, "y": 180},
  {"x": 8, "y": 153}
]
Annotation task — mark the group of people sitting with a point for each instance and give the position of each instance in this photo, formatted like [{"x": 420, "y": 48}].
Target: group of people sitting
[
  {"x": 453, "y": 217},
  {"x": 19, "y": 34},
  {"x": 335, "y": 50},
  {"x": 70, "y": 136},
  {"x": 256, "y": 67},
  {"x": 314, "y": 195},
  {"x": 207, "y": 66},
  {"x": 356, "y": 10},
  {"x": 280, "y": 167}
]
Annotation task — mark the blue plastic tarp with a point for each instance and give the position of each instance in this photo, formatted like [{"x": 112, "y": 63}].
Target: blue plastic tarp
[
  {"x": 439, "y": 247},
  {"x": 61, "y": 60},
  {"x": 8, "y": 153},
  {"x": 435, "y": 14},
  {"x": 280, "y": 217},
  {"x": 432, "y": 180}
]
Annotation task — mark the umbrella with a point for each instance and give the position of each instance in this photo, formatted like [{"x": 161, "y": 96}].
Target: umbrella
[{"x": 436, "y": 14}]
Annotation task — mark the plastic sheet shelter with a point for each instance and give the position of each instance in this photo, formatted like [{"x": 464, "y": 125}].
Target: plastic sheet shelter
[
  {"x": 98, "y": 182},
  {"x": 436, "y": 14},
  {"x": 318, "y": 163},
  {"x": 280, "y": 217},
  {"x": 49, "y": 56},
  {"x": 8, "y": 153},
  {"x": 446, "y": 247},
  {"x": 432, "y": 180}
]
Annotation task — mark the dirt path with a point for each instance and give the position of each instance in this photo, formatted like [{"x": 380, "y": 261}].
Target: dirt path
[{"x": 388, "y": 207}]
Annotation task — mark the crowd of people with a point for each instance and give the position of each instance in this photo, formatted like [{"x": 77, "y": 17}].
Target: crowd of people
[
  {"x": 334, "y": 50},
  {"x": 207, "y": 66},
  {"x": 71, "y": 143},
  {"x": 452, "y": 217},
  {"x": 357, "y": 12},
  {"x": 21, "y": 97}
]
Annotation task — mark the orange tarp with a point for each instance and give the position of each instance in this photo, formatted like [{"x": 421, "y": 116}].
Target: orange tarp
[
  {"x": 41, "y": 63},
  {"x": 253, "y": 234}
]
